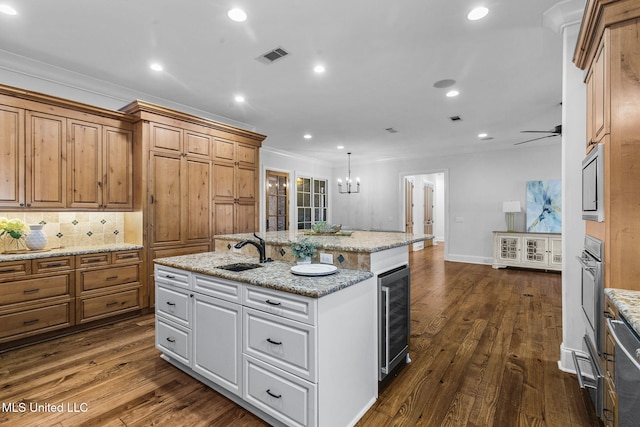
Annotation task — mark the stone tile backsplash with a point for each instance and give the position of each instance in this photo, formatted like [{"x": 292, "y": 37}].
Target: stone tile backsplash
[{"x": 67, "y": 229}]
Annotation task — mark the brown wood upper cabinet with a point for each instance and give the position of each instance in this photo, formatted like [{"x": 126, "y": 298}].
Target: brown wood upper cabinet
[
  {"x": 598, "y": 94},
  {"x": 100, "y": 166}
]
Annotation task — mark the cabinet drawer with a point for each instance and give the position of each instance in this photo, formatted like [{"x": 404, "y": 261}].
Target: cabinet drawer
[
  {"x": 48, "y": 265},
  {"x": 34, "y": 289},
  {"x": 285, "y": 397},
  {"x": 93, "y": 260},
  {"x": 291, "y": 306},
  {"x": 14, "y": 269},
  {"x": 93, "y": 308},
  {"x": 126, "y": 257},
  {"x": 174, "y": 305},
  {"x": 219, "y": 288},
  {"x": 37, "y": 320},
  {"x": 284, "y": 343},
  {"x": 104, "y": 278},
  {"x": 171, "y": 276},
  {"x": 173, "y": 340}
]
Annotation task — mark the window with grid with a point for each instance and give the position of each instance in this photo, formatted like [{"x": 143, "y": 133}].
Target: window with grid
[{"x": 311, "y": 201}]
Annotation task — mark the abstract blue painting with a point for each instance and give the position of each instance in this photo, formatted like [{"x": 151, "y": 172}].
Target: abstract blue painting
[{"x": 544, "y": 206}]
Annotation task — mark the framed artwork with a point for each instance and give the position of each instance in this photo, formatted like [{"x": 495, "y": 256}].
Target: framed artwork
[{"x": 544, "y": 206}]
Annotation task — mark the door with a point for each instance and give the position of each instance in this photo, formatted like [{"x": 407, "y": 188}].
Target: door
[
  {"x": 277, "y": 208},
  {"x": 408, "y": 206},
  {"x": 428, "y": 209}
]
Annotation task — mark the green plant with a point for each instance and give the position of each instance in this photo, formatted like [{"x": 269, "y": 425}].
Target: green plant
[
  {"x": 303, "y": 248},
  {"x": 13, "y": 227}
]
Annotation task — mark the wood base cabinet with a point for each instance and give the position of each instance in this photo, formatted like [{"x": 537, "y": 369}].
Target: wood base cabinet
[{"x": 529, "y": 250}]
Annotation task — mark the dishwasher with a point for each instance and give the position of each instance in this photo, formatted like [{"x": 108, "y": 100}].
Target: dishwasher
[{"x": 626, "y": 372}]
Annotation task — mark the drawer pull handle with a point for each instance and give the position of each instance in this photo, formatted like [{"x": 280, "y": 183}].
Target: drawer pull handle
[
  {"x": 277, "y": 396},
  {"x": 171, "y": 303},
  {"x": 30, "y": 322},
  {"x": 112, "y": 304},
  {"x": 171, "y": 339},
  {"x": 128, "y": 256},
  {"x": 274, "y": 342},
  {"x": 9, "y": 270},
  {"x": 92, "y": 260},
  {"x": 31, "y": 291},
  {"x": 112, "y": 277},
  {"x": 273, "y": 303},
  {"x": 57, "y": 264},
  {"x": 168, "y": 276}
]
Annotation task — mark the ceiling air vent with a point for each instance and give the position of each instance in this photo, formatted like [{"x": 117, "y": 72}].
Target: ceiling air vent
[
  {"x": 455, "y": 118},
  {"x": 272, "y": 56},
  {"x": 391, "y": 130}
]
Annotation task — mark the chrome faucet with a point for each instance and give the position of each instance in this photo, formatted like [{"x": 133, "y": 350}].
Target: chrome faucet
[{"x": 260, "y": 245}]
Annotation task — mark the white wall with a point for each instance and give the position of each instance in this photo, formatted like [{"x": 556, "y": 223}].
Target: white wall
[{"x": 476, "y": 185}]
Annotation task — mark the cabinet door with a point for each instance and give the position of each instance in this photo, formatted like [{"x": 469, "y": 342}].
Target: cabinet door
[
  {"x": 223, "y": 181},
  {"x": 600, "y": 101},
  {"x": 117, "y": 166},
  {"x": 247, "y": 155},
  {"x": 245, "y": 218},
  {"x": 197, "y": 144},
  {"x": 225, "y": 150},
  {"x": 198, "y": 200},
  {"x": 217, "y": 349},
  {"x": 165, "y": 199},
  {"x": 223, "y": 217},
  {"x": 534, "y": 250},
  {"x": 165, "y": 137},
  {"x": 509, "y": 248},
  {"x": 555, "y": 252},
  {"x": 12, "y": 158},
  {"x": 46, "y": 181},
  {"x": 246, "y": 184},
  {"x": 84, "y": 163}
]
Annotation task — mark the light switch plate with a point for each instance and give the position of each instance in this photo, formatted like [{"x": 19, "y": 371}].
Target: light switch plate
[{"x": 326, "y": 258}]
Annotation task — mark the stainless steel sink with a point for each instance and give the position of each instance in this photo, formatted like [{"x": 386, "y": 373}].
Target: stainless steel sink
[{"x": 241, "y": 266}]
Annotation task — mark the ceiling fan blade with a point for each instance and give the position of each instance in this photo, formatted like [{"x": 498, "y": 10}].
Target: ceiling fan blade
[
  {"x": 535, "y": 139},
  {"x": 536, "y": 131}
]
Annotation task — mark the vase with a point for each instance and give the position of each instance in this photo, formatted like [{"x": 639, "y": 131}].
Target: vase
[
  {"x": 12, "y": 245},
  {"x": 306, "y": 260},
  {"x": 36, "y": 239}
]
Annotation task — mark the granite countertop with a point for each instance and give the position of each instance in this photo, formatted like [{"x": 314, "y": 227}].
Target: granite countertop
[
  {"x": 274, "y": 275},
  {"x": 358, "y": 241},
  {"x": 628, "y": 304},
  {"x": 67, "y": 251}
]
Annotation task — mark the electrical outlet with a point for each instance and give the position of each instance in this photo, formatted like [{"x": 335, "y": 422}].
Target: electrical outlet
[{"x": 326, "y": 258}]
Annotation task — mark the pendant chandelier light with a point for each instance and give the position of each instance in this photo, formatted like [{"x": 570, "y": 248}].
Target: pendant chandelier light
[{"x": 349, "y": 183}]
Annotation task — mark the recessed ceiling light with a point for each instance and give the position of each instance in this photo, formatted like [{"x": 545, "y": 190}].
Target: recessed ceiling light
[
  {"x": 7, "y": 10},
  {"x": 237, "y": 15},
  {"x": 477, "y": 13},
  {"x": 239, "y": 98},
  {"x": 452, "y": 93},
  {"x": 156, "y": 67},
  {"x": 319, "y": 69},
  {"x": 307, "y": 136},
  {"x": 482, "y": 135},
  {"x": 340, "y": 147}
]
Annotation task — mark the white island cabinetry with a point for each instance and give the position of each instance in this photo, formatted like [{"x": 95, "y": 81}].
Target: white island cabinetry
[{"x": 291, "y": 359}]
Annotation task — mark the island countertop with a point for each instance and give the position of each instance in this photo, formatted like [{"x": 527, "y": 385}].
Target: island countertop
[
  {"x": 628, "y": 304},
  {"x": 274, "y": 275},
  {"x": 357, "y": 241}
]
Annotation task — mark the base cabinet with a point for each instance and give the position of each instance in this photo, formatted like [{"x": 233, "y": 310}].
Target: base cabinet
[
  {"x": 274, "y": 353},
  {"x": 529, "y": 250}
]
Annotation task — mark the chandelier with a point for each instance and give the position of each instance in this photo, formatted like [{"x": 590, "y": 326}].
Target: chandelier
[{"x": 349, "y": 183}]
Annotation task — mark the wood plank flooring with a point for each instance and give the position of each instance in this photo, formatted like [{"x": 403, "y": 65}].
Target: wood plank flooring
[{"x": 484, "y": 347}]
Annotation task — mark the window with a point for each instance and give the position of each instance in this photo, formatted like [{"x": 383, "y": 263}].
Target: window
[{"x": 311, "y": 198}]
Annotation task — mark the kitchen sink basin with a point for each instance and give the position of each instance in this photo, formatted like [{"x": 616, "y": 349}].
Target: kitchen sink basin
[{"x": 240, "y": 267}]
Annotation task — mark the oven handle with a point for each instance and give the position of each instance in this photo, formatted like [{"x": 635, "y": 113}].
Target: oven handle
[
  {"x": 612, "y": 328},
  {"x": 585, "y": 266}
]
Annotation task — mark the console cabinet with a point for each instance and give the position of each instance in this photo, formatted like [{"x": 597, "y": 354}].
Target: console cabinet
[{"x": 529, "y": 250}]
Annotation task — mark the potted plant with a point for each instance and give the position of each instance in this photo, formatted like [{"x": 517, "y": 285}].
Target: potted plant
[
  {"x": 13, "y": 232},
  {"x": 303, "y": 250}
]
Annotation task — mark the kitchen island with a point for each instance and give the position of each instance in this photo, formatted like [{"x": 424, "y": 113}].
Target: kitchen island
[{"x": 294, "y": 350}]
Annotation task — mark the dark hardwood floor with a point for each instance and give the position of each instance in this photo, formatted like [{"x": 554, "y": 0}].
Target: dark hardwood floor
[{"x": 485, "y": 345}]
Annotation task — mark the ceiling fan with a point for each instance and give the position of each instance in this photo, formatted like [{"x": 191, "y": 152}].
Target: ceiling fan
[{"x": 556, "y": 131}]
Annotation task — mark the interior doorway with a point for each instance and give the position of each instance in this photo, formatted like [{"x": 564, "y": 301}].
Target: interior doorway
[
  {"x": 425, "y": 203},
  {"x": 408, "y": 205},
  {"x": 277, "y": 200}
]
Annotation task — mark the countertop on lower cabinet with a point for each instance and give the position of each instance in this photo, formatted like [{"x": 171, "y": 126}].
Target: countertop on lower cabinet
[
  {"x": 274, "y": 275},
  {"x": 68, "y": 251},
  {"x": 628, "y": 304}
]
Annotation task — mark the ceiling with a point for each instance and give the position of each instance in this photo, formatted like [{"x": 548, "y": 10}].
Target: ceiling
[{"x": 382, "y": 59}]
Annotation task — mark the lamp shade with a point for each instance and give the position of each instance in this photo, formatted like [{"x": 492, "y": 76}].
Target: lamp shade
[{"x": 511, "y": 206}]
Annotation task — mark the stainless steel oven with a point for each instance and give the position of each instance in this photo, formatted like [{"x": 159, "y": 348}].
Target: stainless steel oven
[
  {"x": 587, "y": 362},
  {"x": 394, "y": 318}
]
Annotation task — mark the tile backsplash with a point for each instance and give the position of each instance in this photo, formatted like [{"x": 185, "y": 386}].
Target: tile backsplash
[{"x": 67, "y": 229}]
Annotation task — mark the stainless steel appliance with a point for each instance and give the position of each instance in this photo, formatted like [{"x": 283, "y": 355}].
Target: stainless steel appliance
[
  {"x": 394, "y": 318},
  {"x": 587, "y": 364},
  {"x": 627, "y": 372},
  {"x": 593, "y": 185}
]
